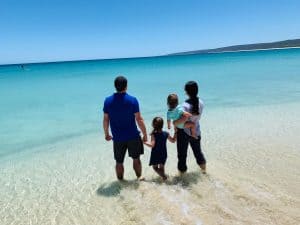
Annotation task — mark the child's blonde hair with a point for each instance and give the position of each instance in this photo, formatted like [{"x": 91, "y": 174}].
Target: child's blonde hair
[{"x": 172, "y": 101}]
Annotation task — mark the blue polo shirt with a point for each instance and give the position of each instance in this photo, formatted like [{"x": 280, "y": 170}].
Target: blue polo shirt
[{"x": 121, "y": 108}]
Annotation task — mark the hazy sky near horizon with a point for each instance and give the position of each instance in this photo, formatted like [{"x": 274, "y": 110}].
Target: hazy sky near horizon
[{"x": 55, "y": 30}]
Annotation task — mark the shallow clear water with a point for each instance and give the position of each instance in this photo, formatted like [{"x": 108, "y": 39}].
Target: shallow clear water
[{"x": 57, "y": 169}]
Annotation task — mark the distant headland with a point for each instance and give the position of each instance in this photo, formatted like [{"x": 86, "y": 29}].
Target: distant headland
[{"x": 295, "y": 43}]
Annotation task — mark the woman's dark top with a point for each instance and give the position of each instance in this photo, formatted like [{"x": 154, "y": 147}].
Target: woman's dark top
[{"x": 159, "y": 151}]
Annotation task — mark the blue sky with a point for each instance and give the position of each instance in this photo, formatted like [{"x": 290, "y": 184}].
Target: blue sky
[{"x": 53, "y": 30}]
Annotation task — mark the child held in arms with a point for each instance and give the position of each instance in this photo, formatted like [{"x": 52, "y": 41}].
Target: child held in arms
[{"x": 176, "y": 112}]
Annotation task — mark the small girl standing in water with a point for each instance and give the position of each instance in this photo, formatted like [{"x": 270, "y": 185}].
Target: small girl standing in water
[{"x": 158, "y": 144}]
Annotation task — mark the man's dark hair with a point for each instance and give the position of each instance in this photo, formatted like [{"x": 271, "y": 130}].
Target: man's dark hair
[{"x": 120, "y": 83}]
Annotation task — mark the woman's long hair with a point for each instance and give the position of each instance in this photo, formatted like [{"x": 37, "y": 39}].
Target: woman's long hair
[{"x": 191, "y": 88}]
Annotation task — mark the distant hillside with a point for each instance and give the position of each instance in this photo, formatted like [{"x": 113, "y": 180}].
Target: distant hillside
[{"x": 278, "y": 44}]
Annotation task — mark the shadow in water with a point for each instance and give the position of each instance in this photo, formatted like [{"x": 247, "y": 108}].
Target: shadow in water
[
  {"x": 185, "y": 180},
  {"x": 114, "y": 188}
]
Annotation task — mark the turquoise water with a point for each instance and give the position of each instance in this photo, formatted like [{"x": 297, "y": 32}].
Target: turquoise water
[
  {"x": 56, "y": 167},
  {"x": 51, "y": 102}
]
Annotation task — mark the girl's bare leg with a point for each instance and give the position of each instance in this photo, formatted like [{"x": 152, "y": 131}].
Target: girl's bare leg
[{"x": 160, "y": 170}]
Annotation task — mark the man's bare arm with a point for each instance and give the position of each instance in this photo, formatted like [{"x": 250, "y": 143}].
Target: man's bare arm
[
  {"x": 140, "y": 121},
  {"x": 108, "y": 137}
]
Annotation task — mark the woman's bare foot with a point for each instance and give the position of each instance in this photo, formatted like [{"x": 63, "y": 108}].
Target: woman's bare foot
[{"x": 203, "y": 168}]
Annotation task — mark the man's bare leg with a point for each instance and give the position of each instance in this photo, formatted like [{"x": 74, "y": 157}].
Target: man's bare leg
[
  {"x": 120, "y": 171},
  {"x": 137, "y": 166}
]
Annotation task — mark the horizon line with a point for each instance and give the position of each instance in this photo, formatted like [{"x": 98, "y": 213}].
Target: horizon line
[{"x": 162, "y": 55}]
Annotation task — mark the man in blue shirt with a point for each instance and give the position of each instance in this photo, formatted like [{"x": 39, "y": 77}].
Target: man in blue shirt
[{"x": 122, "y": 113}]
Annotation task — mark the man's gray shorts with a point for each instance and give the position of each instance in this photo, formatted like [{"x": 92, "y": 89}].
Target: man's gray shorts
[{"x": 135, "y": 149}]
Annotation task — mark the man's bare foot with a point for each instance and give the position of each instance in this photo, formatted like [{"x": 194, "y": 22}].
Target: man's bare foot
[
  {"x": 120, "y": 177},
  {"x": 141, "y": 178}
]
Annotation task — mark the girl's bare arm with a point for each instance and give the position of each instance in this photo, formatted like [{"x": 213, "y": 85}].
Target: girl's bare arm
[
  {"x": 172, "y": 139},
  {"x": 152, "y": 142}
]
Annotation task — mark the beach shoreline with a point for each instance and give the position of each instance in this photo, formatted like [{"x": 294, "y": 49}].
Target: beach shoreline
[{"x": 67, "y": 179}]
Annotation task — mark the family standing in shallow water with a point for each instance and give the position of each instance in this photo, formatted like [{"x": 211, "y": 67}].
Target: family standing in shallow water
[{"x": 122, "y": 115}]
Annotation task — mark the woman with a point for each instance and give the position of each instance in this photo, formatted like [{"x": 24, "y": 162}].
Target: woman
[{"x": 194, "y": 106}]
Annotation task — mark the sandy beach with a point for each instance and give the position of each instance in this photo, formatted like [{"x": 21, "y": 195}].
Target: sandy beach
[{"x": 253, "y": 178}]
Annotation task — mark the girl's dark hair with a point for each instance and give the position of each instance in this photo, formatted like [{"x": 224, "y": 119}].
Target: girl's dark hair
[
  {"x": 157, "y": 124},
  {"x": 191, "y": 88}
]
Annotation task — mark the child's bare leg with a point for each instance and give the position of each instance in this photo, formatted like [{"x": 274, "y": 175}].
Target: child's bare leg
[
  {"x": 157, "y": 170},
  {"x": 192, "y": 127},
  {"x": 169, "y": 124},
  {"x": 193, "y": 131},
  {"x": 175, "y": 129},
  {"x": 160, "y": 171}
]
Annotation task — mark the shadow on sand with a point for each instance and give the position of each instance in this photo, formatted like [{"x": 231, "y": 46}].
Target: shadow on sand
[{"x": 114, "y": 188}]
